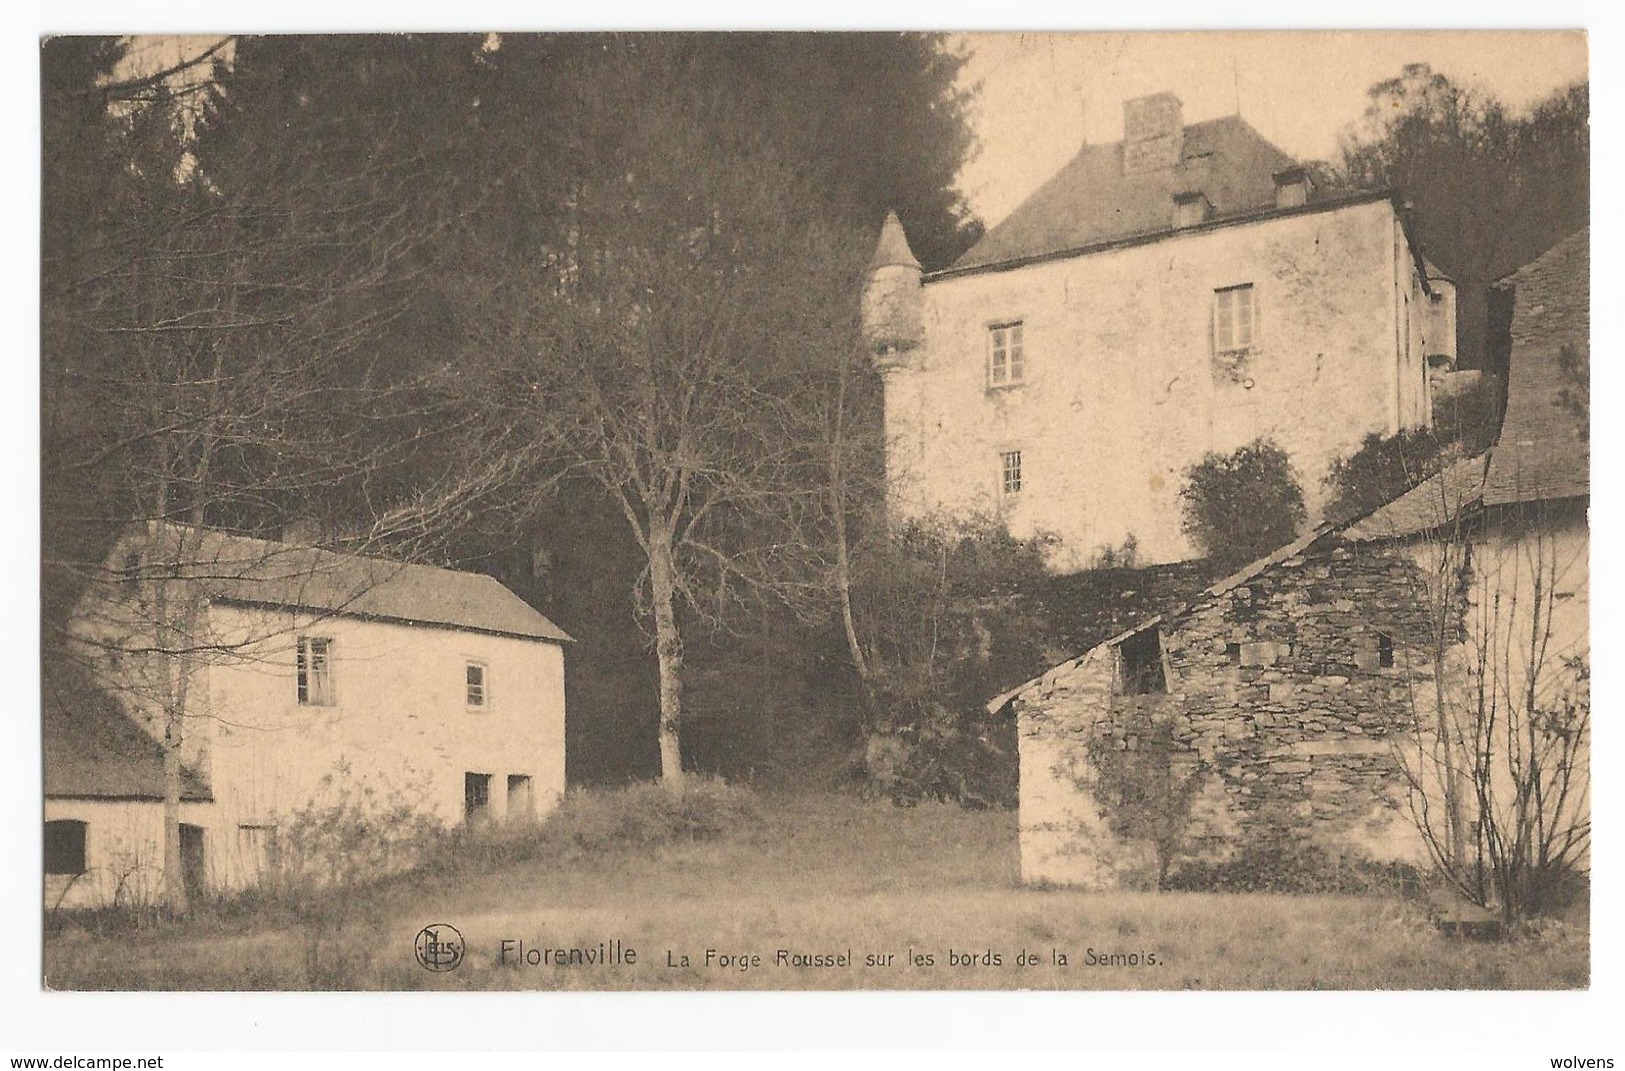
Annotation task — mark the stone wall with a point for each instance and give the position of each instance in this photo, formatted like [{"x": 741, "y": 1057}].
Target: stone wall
[{"x": 1293, "y": 687}]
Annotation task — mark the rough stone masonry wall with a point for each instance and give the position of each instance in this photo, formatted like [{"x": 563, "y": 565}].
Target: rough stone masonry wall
[{"x": 1278, "y": 686}]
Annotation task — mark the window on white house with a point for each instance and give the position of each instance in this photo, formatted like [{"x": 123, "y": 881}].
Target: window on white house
[
  {"x": 474, "y": 675},
  {"x": 1235, "y": 319},
  {"x": 1006, "y": 363},
  {"x": 1010, "y": 471},
  {"x": 314, "y": 669},
  {"x": 64, "y": 847}
]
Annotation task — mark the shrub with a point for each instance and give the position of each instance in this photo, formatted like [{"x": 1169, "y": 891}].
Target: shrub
[
  {"x": 352, "y": 832},
  {"x": 943, "y": 616},
  {"x": 1146, "y": 782},
  {"x": 1381, "y": 470},
  {"x": 590, "y": 821},
  {"x": 1385, "y": 467},
  {"x": 1298, "y": 871},
  {"x": 602, "y": 821},
  {"x": 1242, "y": 505},
  {"x": 951, "y": 754},
  {"x": 1470, "y": 418}
]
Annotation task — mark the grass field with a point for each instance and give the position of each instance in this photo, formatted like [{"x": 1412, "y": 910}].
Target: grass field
[{"x": 933, "y": 888}]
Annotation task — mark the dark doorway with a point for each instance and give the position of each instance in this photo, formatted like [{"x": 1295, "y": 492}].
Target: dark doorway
[
  {"x": 520, "y": 803},
  {"x": 476, "y": 797},
  {"x": 194, "y": 870}
]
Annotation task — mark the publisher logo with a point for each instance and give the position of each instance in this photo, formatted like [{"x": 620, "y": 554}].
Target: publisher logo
[{"x": 439, "y": 947}]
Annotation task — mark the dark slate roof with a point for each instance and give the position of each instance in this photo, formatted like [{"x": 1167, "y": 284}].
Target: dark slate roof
[
  {"x": 240, "y": 569},
  {"x": 1091, "y": 201},
  {"x": 93, "y": 750},
  {"x": 892, "y": 249},
  {"x": 1219, "y": 587},
  {"x": 1543, "y": 452},
  {"x": 1431, "y": 504}
]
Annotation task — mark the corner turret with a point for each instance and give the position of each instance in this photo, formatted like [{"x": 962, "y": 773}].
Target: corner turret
[{"x": 892, "y": 299}]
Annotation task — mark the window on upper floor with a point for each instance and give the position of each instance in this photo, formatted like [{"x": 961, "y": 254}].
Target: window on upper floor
[
  {"x": 64, "y": 847},
  {"x": 314, "y": 670},
  {"x": 1010, "y": 472},
  {"x": 476, "y": 680},
  {"x": 1006, "y": 362},
  {"x": 1139, "y": 664},
  {"x": 1235, "y": 319}
]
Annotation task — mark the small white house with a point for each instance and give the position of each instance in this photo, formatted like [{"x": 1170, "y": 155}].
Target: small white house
[{"x": 299, "y": 674}]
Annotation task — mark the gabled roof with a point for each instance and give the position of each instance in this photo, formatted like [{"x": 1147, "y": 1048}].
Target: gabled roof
[
  {"x": 1220, "y": 587},
  {"x": 1091, "y": 201},
  {"x": 93, "y": 750},
  {"x": 240, "y": 569},
  {"x": 1543, "y": 450}
]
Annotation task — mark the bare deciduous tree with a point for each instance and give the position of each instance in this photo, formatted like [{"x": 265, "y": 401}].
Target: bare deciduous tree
[
  {"x": 1496, "y": 756},
  {"x": 211, "y": 357},
  {"x": 654, "y": 340}
]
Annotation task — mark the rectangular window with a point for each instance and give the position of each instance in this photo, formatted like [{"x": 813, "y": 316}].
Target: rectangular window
[
  {"x": 474, "y": 677},
  {"x": 64, "y": 847},
  {"x": 1234, "y": 319},
  {"x": 1006, "y": 363},
  {"x": 1140, "y": 662},
  {"x": 314, "y": 666},
  {"x": 476, "y": 796},
  {"x": 1374, "y": 650},
  {"x": 1010, "y": 471}
]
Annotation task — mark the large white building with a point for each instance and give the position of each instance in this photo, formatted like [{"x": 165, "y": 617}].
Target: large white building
[
  {"x": 303, "y": 675},
  {"x": 1185, "y": 290}
]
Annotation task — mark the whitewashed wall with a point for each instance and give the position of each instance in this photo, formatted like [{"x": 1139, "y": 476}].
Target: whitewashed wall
[
  {"x": 1122, "y": 393},
  {"x": 124, "y": 852},
  {"x": 400, "y": 723}
]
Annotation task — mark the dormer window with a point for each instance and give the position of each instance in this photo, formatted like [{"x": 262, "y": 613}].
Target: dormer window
[
  {"x": 1006, "y": 365},
  {"x": 1235, "y": 319}
]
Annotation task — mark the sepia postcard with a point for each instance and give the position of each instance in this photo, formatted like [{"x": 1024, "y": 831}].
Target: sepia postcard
[{"x": 816, "y": 511}]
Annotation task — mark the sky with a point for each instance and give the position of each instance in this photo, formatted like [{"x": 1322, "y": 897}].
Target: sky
[{"x": 1042, "y": 94}]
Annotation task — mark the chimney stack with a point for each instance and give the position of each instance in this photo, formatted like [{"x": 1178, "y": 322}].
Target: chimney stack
[
  {"x": 1293, "y": 187},
  {"x": 1153, "y": 133}
]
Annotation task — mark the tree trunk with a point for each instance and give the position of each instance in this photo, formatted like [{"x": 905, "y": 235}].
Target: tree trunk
[
  {"x": 669, "y": 655},
  {"x": 175, "y": 898},
  {"x": 843, "y": 587},
  {"x": 843, "y": 550}
]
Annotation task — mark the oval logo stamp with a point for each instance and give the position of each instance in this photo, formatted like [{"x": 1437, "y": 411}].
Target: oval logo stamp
[{"x": 439, "y": 947}]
